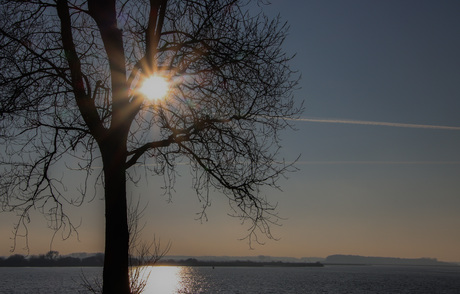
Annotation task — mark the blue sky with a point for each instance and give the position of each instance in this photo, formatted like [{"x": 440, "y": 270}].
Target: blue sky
[{"x": 361, "y": 188}]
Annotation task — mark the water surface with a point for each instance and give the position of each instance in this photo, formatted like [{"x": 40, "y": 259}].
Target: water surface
[{"x": 251, "y": 280}]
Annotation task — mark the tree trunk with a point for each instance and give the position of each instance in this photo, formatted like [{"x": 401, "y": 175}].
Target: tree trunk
[{"x": 116, "y": 267}]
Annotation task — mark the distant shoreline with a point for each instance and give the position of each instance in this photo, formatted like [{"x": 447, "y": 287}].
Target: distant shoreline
[
  {"x": 195, "y": 262},
  {"x": 53, "y": 259},
  {"x": 339, "y": 259},
  {"x": 74, "y": 262}
]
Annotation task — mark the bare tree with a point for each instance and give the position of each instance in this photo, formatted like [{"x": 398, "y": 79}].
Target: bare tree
[
  {"x": 70, "y": 88},
  {"x": 142, "y": 255}
]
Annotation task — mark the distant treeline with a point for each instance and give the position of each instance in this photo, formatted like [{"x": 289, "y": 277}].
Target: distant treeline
[
  {"x": 196, "y": 262},
  {"x": 52, "y": 258}
]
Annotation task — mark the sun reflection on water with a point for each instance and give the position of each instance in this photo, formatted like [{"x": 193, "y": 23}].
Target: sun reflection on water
[{"x": 163, "y": 279}]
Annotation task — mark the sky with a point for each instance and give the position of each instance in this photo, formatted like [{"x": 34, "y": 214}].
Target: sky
[{"x": 379, "y": 172}]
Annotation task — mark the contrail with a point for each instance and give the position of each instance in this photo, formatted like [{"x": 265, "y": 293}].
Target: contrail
[
  {"x": 376, "y": 123},
  {"x": 378, "y": 162}
]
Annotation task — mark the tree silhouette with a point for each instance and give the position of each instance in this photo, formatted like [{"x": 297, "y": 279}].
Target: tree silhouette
[{"x": 69, "y": 88}]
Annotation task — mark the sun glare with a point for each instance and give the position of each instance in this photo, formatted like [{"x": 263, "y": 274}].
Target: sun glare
[
  {"x": 163, "y": 279},
  {"x": 154, "y": 87}
]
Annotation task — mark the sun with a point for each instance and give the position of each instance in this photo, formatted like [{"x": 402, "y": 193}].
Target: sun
[{"x": 154, "y": 87}]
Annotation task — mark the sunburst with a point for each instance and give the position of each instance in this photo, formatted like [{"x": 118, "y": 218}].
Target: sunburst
[{"x": 155, "y": 87}]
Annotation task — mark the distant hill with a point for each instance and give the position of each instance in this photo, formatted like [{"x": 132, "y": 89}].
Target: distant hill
[{"x": 369, "y": 260}]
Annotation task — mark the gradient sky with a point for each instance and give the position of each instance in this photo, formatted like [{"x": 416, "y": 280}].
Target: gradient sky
[{"x": 373, "y": 178}]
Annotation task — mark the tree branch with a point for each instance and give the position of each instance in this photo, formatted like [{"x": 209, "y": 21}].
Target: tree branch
[{"x": 83, "y": 99}]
